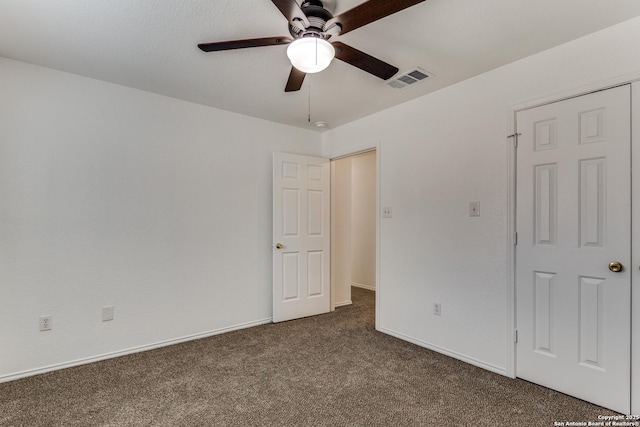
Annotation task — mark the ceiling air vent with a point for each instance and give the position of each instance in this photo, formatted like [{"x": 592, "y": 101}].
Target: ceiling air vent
[{"x": 408, "y": 78}]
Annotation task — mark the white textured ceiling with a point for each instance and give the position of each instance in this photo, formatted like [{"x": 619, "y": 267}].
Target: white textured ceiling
[{"x": 151, "y": 45}]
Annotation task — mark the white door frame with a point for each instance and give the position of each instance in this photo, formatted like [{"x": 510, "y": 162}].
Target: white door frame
[
  {"x": 364, "y": 148},
  {"x": 635, "y": 213}
]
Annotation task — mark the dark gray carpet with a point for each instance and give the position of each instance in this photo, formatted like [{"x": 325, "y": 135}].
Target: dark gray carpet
[{"x": 333, "y": 369}]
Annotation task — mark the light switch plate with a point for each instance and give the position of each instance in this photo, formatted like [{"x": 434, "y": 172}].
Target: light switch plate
[
  {"x": 107, "y": 313},
  {"x": 474, "y": 208}
]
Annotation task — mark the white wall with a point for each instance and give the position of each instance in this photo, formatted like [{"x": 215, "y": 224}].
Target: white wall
[
  {"x": 114, "y": 196},
  {"x": 341, "y": 231},
  {"x": 363, "y": 220},
  {"x": 437, "y": 154}
]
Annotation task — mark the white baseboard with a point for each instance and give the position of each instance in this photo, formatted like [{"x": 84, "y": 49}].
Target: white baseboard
[
  {"x": 343, "y": 303},
  {"x": 360, "y": 285},
  {"x": 84, "y": 361},
  {"x": 446, "y": 352}
]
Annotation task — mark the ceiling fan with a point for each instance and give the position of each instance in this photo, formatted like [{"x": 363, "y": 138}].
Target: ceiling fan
[{"x": 311, "y": 26}]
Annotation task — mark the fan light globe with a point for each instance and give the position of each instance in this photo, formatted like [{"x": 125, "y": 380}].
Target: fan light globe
[{"x": 310, "y": 54}]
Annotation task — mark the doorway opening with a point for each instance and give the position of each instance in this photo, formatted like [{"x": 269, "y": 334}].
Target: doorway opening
[{"x": 353, "y": 225}]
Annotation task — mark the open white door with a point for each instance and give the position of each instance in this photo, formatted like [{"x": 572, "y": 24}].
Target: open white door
[
  {"x": 573, "y": 252},
  {"x": 301, "y": 236}
]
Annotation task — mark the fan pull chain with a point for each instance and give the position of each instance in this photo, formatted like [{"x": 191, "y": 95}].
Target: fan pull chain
[{"x": 309, "y": 117}]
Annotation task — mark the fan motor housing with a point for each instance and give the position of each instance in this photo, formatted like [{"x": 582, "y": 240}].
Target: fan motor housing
[{"x": 317, "y": 16}]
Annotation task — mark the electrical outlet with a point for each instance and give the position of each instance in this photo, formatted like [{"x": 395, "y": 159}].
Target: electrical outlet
[
  {"x": 107, "y": 313},
  {"x": 386, "y": 212},
  {"x": 46, "y": 323},
  {"x": 437, "y": 309}
]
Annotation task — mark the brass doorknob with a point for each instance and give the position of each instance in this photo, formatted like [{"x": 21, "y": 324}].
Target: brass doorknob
[
  {"x": 615, "y": 266},
  {"x": 279, "y": 246}
]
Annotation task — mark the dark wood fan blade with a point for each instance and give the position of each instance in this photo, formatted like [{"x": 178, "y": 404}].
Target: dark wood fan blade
[
  {"x": 364, "y": 61},
  {"x": 292, "y": 12},
  {"x": 241, "y": 44},
  {"x": 296, "y": 77},
  {"x": 369, "y": 12}
]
